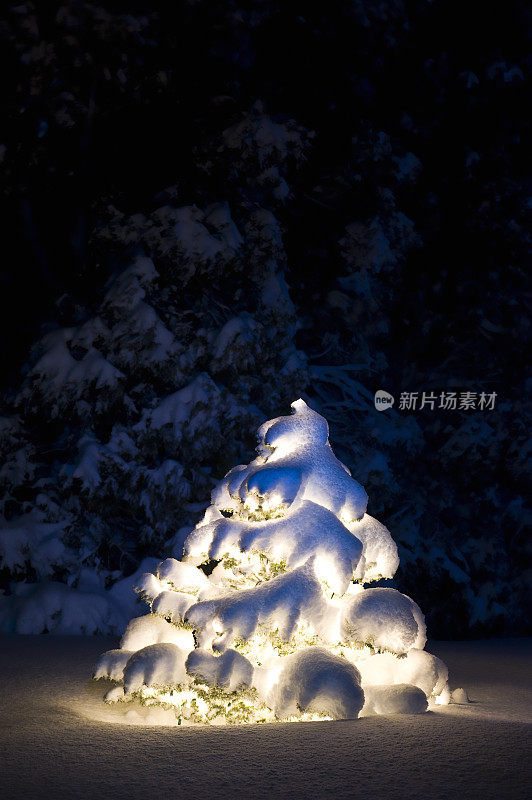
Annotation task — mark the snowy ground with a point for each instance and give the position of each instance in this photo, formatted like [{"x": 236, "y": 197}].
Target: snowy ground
[{"x": 57, "y": 741}]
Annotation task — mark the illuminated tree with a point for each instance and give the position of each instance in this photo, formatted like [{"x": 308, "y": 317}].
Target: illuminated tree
[{"x": 271, "y": 614}]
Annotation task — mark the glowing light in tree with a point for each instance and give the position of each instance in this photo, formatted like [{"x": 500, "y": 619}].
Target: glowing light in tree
[{"x": 271, "y": 613}]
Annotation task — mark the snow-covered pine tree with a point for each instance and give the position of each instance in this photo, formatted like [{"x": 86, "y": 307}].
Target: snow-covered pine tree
[
  {"x": 114, "y": 436},
  {"x": 271, "y": 613}
]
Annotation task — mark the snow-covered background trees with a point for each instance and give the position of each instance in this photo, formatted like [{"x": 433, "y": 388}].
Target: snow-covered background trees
[{"x": 217, "y": 208}]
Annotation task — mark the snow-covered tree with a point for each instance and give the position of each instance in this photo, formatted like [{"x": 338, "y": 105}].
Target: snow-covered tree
[
  {"x": 116, "y": 430},
  {"x": 273, "y": 612}
]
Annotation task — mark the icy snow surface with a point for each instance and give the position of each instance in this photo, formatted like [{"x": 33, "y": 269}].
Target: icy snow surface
[{"x": 58, "y": 740}]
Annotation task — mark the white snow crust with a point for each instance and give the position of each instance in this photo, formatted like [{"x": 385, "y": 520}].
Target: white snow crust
[
  {"x": 379, "y": 554},
  {"x": 184, "y": 577},
  {"x": 172, "y": 605}
]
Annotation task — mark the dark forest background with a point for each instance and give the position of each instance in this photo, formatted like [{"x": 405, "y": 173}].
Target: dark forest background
[{"x": 211, "y": 209}]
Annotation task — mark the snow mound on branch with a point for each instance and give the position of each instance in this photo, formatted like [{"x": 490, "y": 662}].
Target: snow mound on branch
[
  {"x": 114, "y": 695},
  {"x": 29, "y": 533},
  {"x": 401, "y": 698},
  {"x": 418, "y": 668},
  {"x": 151, "y": 629},
  {"x": 231, "y": 670},
  {"x": 148, "y": 586},
  {"x": 259, "y": 140},
  {"x": 426, "y": 671},
  {"x": 128, "y": 288},
  {"x": 61, "y": 378},
  {"x": 176, "y": 589},
  {"x": 294, "y": 538},
  {"x": 184, "y": 577},
  {"x": 172, "y": 605},
  {"x": 124, "y": 593},
  {"x": 189, "y": 407},
  {"x": 142, "y": 322},
  {"x": 385, "y": 619},
  {"x": 296, "y": 463},
  {"x": 318, "y": 682},
  {"x": 111, "y": 664},
  {"x": 157, "y": 665},
  {"x": 236, "y": 341},
  {"x": 55, "y": 608},
  {"x": 380, "y": 557},
  {"x": 52, "y": 607},
  {"x": 196, "y": 240},
  {"x": 279, "y": 604}
]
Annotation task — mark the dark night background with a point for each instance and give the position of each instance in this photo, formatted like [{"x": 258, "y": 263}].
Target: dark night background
[{"x": 373, "y": 155}]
